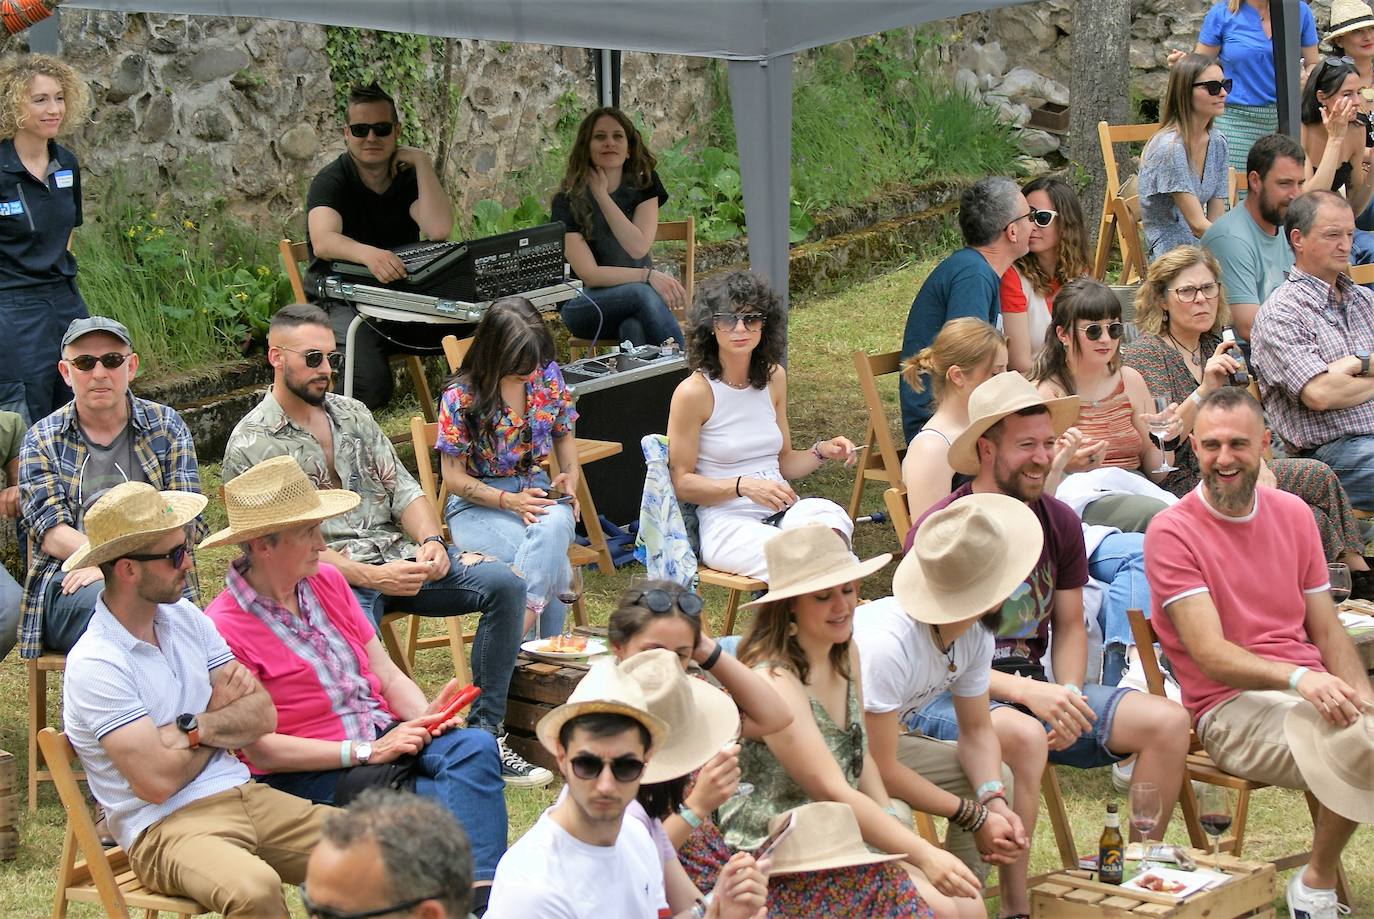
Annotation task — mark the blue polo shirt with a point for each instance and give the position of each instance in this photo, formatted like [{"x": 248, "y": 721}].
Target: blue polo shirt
[
  {"x": 37, "y": 218},
  {"x": 1247, "y": 54}
]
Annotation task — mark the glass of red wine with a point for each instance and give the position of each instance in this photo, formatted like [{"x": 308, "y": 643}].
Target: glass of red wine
[
  {"x": 1146, "y": 807},
  {"x": 1339, "y": 575},
  {"x": 569, "y": 595},
  {"x": 1214, "y": 805}
]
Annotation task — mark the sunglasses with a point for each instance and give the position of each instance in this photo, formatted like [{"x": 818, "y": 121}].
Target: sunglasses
[
  {"x": 176, "y": 556},
  {"x": 86, "y": 362},
  {"x": 1041, "y": 218},
  {"x": 1189, "y": 293},
  {"x": 314, "y": 357},
  {"x": 856, "y": 753},
  {"x": 1094, "y": 330},
  {"x": 659, "y": 601},
  {"x": 380, "y": 128},
  {"x": 726, "y": 322},
  {"x": 1215, "y": 87},
  {"x": 623, "y": 768},
  {"x": 315, "y": 911}
]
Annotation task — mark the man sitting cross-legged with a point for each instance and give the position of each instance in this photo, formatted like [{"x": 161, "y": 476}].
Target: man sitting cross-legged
[
  {"x": 153, "y": 703},
  {"x": 1244, "y": 614}
]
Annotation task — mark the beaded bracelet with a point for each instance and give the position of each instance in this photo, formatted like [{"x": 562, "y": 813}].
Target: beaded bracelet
[{"x": 816, "y": 452}]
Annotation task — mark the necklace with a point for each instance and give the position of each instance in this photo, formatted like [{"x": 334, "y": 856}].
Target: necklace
[
  {"x": 741, "y": 386},
  {"x": 1194, "y": 355},
  {"x": 948, "y": 652}
]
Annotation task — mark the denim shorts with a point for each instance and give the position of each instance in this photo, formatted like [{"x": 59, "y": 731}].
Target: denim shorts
[{"x": 938, "y": 720}]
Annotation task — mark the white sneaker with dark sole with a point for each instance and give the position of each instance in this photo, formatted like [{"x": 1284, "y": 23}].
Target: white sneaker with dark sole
[
  {"x": 1306, "y": 903},
  {"x": 515, "y": 771}
]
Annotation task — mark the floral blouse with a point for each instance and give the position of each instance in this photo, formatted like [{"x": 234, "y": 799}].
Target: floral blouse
[{"x": 514, "y": 445}]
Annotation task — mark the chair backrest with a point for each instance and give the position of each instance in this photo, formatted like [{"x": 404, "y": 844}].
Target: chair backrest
[
  {"x": 684, "y": 231},
  {"x": 1144, "y": 634},
  {"x": 1108, "y": 135},
  {"x": 292, "y": 256},
  {"x": 455, "y": 349},
  {"x": 1237, "y": 181},
  {"x": 1128, "y": 222},
  {"x": 423, "y": 436},
  {"x": 869, "y": 367},
  {"x": 900, "y": 512},
  {"x": 1362, "y": 274}
]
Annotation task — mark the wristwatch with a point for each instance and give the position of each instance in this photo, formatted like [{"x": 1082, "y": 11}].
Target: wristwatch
[
  {"x": 435, "y": 538},
  {"x": 362, "y": 752},
  {"x": 186, "y": 723},
  {"x": 1364, "y": 362}
]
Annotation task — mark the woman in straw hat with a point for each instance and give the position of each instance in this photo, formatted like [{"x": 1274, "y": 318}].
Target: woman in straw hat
[
  {"x": 1351, "y": 35},
  {"x": 799, "y": 642},
  {"x": 347, "y": 716}
]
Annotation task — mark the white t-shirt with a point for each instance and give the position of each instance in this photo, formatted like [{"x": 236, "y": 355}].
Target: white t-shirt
[
  {"x": 550, "y": 874},
  {"x": 902, "y": 668}
]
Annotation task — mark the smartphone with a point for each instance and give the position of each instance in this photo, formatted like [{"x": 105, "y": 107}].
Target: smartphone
[
  {"x": 558, "y": 497},
  {"x": 464, "y": 697},
  {"x": 775, "y": 837}
]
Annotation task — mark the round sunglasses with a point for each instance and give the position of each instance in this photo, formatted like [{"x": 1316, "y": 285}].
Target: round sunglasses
[
  {"x": 86, "y": 362},
  {"x": 623, "y": 768},
  {"x": 315, "y": 357},
  {"x": 380, "y": 128},
  {"x": 726, "y": 322},
  {"x": 1094, "y": 330},
  {"x": 659, "y": 601}
]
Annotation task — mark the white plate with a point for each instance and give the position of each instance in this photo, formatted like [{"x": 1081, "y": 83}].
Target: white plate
[
  {"x": 593, "y": 648},
  {"x": 1191, "y": 881}
]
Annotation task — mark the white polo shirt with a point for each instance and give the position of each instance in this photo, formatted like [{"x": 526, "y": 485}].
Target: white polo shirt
[{"x": 113, "y": 679}]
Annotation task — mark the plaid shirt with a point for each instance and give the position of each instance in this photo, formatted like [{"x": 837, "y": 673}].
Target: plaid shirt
[
  {"x": 1303, "y": 326},
  {"x": 50, "y": 462}
]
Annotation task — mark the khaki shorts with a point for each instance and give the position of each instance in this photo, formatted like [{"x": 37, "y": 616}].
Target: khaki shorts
[{"x": 1244, "y": 736}]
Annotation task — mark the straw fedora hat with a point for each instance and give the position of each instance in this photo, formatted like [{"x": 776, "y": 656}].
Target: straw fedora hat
[
  {"x": 996, "y": 398},
  {"x": 128, "y": 517},
  {"x": 1338, "y": 763},
  {"x": 968, "y": 557},
  {"x": 606, "y": 688},
  {"x": 702, "y": 719},
  {"x": 811, "y": 558},
  {"x": 272, "y": 496},
  {"x": 824, "y": 835},
  {"x": 1347, "y": 16}
]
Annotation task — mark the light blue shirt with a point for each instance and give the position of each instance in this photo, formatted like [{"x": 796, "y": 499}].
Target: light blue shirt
[
  {"x": 1164, "y": 170},
  {"x": 1252, "y": 262}
]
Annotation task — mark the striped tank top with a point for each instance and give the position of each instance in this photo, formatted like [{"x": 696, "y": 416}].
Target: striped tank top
[{"x": 1110, "y": 420}]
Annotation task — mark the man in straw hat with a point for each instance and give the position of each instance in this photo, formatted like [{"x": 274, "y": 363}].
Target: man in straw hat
[
  {"x": 1243, "y": 610},
  {"x": 347, "y": 716},
  {"x": 582, "y": 860},
  {"x": 1008, "y": 446},
  {"x": 964, "y": 562},
  {"x": 154, "y": 703}
]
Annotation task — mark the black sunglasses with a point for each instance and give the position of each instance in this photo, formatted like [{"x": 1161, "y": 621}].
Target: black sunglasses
[
  {"x": 86, "y": 362},
  {"x": 1094, "y": 330},
  {"x": 726, "y": 322},
  {"x": 1041, "y": 218},
  {"x": 659, "y": 601},
  {"x": 380, "y": 128},
  {"x": 314, "y": 357},
  {"x": 176, "y": 556},
  {"x": 623, "y": 768},
  {"x": 856, "y": 753},
  {"x": 315, "y": 911},
  {"x": 1214, "y": 87}
]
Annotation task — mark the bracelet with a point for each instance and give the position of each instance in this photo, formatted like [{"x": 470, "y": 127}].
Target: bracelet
[
  {"x": 1196, "y": 397},
  {"x": 1295, "y": 676},
  {"x": 689, "y": 816},
  {"x": 648, "y": 271},
  {"x": 816, "y": 451},
  {"x": 345, "y": 754},
  {"x": 711, "y": 658},
  {"x": 1071, "y": 687},
  {"x": 737, "y": 491},
  {"x": 501, "y": 498},
  {"x": 436, "y": 537},
  {"x": 996, "y": 795},
  {"x": 978, "y": 822},
  {"x": 992, "y": 786}
]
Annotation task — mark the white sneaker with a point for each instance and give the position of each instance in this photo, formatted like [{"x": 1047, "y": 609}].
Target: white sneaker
[
  {"x": 516, "y": 771},
  {"x": 1306, "y": 903},
  {"x": 1121, "y": 775}
]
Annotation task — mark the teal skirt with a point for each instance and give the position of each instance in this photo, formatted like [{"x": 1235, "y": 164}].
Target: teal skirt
[{"x": 1242, "y": 125}]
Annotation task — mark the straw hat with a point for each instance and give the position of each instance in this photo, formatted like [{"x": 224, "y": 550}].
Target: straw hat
[
  {"x": 1347, "y": 16},
  {"x": 605, "y": 688},
  {"x": 129, "y": 517},
  {"x": 1338, "y": 763},
  {"x": 275, "y": 495},
  {"x": 996, "y": 398},
  {"x": 701, "y": 718},
  {"x": 968, "y": 557},
  {"x": 811, "y": 558},
  {"x": 824, "y": 835}
]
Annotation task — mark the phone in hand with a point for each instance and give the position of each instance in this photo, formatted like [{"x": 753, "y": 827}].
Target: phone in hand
[
  {"x": 775, "y": 837},
  {"x": 558, "y": 497},
  {"x": 461, "y": 699}
]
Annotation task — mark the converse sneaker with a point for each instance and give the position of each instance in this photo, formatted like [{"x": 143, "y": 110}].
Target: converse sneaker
[
  {"x": 515, "y": 771},
  {"x": 1306, "y": 903}
]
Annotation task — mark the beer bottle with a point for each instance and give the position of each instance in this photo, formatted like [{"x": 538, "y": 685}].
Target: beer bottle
[
  {"x": 1110, "y": 850},
  {"x": 1242, "y": 375}
]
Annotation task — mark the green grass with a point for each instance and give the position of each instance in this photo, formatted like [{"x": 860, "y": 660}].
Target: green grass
[{"x": 824, "y": 401}]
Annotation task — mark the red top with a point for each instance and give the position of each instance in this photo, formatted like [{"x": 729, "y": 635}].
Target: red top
[{"x": 1110, "y": 420}]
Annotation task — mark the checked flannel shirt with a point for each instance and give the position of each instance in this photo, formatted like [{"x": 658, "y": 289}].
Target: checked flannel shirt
[{"x": 50, "y": 462}]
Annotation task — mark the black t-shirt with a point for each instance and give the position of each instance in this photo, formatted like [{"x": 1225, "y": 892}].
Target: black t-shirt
[
  {"x": 37, "y": 218},
  {"x": 606, "y": 249},
  {"x": 377, "y": 220}
]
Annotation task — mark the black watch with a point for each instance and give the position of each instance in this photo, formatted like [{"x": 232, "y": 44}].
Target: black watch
[
  {"x": 1364, "y": 362},
  {"x": 435, "y": 538},
  {"x": 186, "y": 723}
]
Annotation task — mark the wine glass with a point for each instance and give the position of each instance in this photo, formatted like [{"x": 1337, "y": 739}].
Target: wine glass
[
  {"x": 1339, "y": 575},
  {"x": 1146, "y": 806},
  {"x": 568, "y": 595},
  {"x": 1214, "y": 806},
  {"x": 1160, "y": 424}
]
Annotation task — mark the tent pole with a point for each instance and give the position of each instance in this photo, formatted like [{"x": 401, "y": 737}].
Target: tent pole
[
  {"x": 608, "y": 77},
  {"x": 761, "y": 100},
  {"x": 1287, "y": 28}
]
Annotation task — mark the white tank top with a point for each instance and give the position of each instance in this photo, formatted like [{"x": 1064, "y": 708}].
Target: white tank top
[{"x": 742, "y": 436}]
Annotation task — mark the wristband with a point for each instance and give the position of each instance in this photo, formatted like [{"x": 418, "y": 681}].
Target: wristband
[
  {"x": 711, "y": 658},
  {"x": 345, "y": 753},
  {"x": 1071, "y": 687},
  {"x": 689, "y": 816},
  {"x": 501, "y": 498},
  {"x": 995, "y": 796},
  {"x": 436, "y": 537},
  {"x": 891, "y": 811},
  {"x": 1196, "y": 397},
  {"x": 816, "y": 451},
  {"x": 1296, "y": 675},
  {"x": 994, "y": 786},
  {"x": 737, "y": 491},
  {"x": 648, "y": 271}
]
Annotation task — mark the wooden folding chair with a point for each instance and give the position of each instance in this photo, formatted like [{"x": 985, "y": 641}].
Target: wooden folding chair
[
  {"x": 1237, "y": 182},
  {"x": 1129, "y": 227},
  {"x": 1362, "y": 274},
  {"x": 899, "y": 511},
  {"x": 89, "y": 873},
  {"x": 1109, "y": 135},
  {"x": 38, "y": 669},
  {"x": 881, "y": 459}
]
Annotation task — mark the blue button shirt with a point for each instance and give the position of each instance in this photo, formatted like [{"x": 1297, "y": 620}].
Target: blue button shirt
[{"x": 37, "y": 218}]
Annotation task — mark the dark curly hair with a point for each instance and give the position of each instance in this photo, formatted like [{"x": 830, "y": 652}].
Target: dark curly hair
[{"x": 736, "y": 292}]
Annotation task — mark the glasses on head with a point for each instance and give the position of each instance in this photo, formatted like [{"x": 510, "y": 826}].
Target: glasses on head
[
  {"x": 86, "y": 362},
  {"x": 1042, "y": 218},
  {"x": 659, "y": 601},
  {"x": 314, "y": 357},
  {"x": 380, "y": 128},
  {"x": 1216, "y": 87},
  {"x": 726, "y": 322},
  {"x": 175, "y": 556},
  {"x": 1334, "y": 61},
  {"x": 623, "y": 768},
  {"x": 315, "y": 911},
  {"x": 1189, "y": 292},
  {"x": 1094, "y": 330}
]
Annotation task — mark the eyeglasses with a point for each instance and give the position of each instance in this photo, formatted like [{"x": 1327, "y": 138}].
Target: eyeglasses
[
  {"x": 1215, "y": 87},
  {"x": 1041, "y": 218},
  {"x": 1028, "y": 215},
  {"x": 659, "y": 601},
  {"x": 726, "y": 322},
  {"x": 623, "y": 768},
  {"x": 1189, "y": 292},
  {"x": 315, "y": 911},
  {"x": 380, "y": 128},
  {"x": 314, "y": 357},
  {"x": 176, "y": 556},
  {"x": 86, "y": 362},
  {"x": 1094, "y": 330}
]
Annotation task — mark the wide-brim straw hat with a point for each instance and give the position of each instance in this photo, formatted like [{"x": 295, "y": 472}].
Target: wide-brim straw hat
[
  {"x": 824, "y": 836},
  {"x": 129, "y": 517},
  {"x": 996, "y": 398},
  {"x": 701, "y": 719},
  {"x": 967, "y": 558},
  {"x": 1347, "y": 16},
  {"x": 811, "y": 558},
  {"x": 276, "y": 495},
  {"x": 604, "y": 690},
  {"x": 1337, "y": 763}
]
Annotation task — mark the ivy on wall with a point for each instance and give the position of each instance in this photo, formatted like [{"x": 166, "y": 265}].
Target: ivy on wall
[{"x": 401, "y": 64}]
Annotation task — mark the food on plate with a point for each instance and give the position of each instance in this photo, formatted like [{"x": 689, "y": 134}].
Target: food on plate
[
  {"x": 1160, "y": 884},
  {"x": 565, "y": 644}
]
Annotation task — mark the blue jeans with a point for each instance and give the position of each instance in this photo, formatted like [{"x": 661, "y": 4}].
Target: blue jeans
[
  {"x": 537, "y": 552},
  {"x": 1352, "y": 459},
  {"x": 34, "y": 320},
  {"x": 489, "y": 587},
  {"x": 11, "y": 597},
  {"x": 1119, "y": 562},
  {"x": 460, "y": 769},
  {"x": 65, "y": 616},
  {"x": 627, "y": 311}
]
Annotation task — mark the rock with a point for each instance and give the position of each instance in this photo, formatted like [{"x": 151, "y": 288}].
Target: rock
[
  {"x": 987, "y": 82},
  {"x": 211, "y": 124},
  {"x": 299, "y": 143},
  {"x": 1032, "y": 165},
  {"x": 1034, "y": 142},
  {"x": 966, "y": 82},
  {"x": 1023, "y": 83},
  {"x": 1056, "y": 92},
  {"x": 1144, "y": 55},
  {"x": 129, "y": 78},
  {"x": 994, "y": 59},
  {"x": 157, "y": 118},
  {"x": 216, "y": 63},
  {"x": 484, "y": 161}
]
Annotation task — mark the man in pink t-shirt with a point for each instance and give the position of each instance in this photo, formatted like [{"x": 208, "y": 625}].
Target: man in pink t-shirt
[{"x": 1243, "y": 610}]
